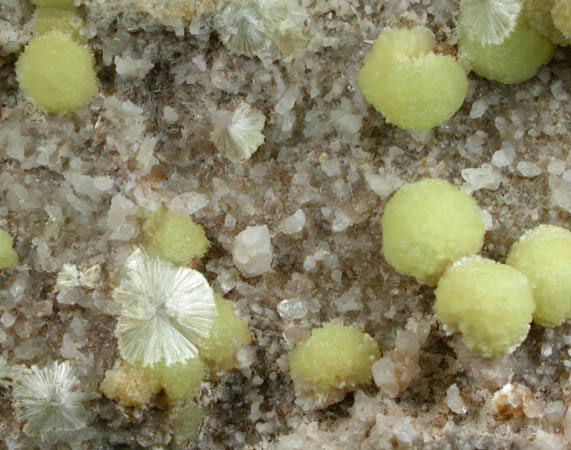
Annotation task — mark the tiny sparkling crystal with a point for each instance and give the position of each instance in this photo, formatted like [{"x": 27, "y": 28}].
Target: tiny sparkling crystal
[{"x": 292, "y": 309}]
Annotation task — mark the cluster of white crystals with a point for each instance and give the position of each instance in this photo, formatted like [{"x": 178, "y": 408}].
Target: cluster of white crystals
[
  {"x": 70, "y": 276},
  {"x": 238, "y": 134},
  {"x": 165, "y": 309},
  {"x": 48, "y": 400}
]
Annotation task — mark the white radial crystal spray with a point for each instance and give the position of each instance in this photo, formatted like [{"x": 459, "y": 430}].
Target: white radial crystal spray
[
  {"x": 489, "y": 21},
  {"x": 47, "y": 399},
  {"x": 238, "y": 134},
  {"x": 165, "y": 310}
]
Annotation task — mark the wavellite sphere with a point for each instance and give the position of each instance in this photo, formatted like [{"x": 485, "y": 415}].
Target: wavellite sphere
[
  {"x": 427, "y": 225},
  {"x": 489, "y": 303},
  {"x": 334, "y": 357},
  {"x": 543, "y": 255},
  {"x": 57, "y": 73},
  {"x": 410, "y": 85},
  {"x": 515, "y": 60}
]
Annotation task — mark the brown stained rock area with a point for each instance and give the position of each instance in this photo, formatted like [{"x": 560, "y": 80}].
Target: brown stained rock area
[{"x": 70, "y": 189}]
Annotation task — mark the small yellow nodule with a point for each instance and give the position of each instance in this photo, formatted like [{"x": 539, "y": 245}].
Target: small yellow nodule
[
  {"x": 176, "y": 238},
  {"x": 543, "y": 255},
  {"x": 489, "y": 303},
  {"x": 180, "y": 381},
  {"x": 334, "y": 358},
  {"x": 57, "y": 73},
  {"x": 410, "y": 85},
  {"x": 427, "y": 225}
]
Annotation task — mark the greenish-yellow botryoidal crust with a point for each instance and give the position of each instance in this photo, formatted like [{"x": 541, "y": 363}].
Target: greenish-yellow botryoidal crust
[
  {"x": 334, "y": 358},
  {"x": 427, "y": 225},
  {"x": 186, "y": 421},
  {"x": 129, "y": 385},
  {"x": 488, "y": 303},
  {"x": 548, "y": 18},
  {"x": 515, "y": 60},
  {"x": 543, "y": 255},
  {"x": 57, "y": 73},
  {"x": 61, "y": 4},
  {"x": 8, "y": 256},
  {"x": 180, "y": 381},
  {"x": 410, "y": 85},
  {"x": 64, "y": 20},
  {"x": 175, "y": 238},
  {"x": 228, "y": 335}
]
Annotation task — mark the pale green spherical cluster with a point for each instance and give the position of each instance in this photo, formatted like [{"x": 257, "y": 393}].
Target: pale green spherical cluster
[
  {"x": 515, "y": 60},
  {"x": 228, "y": 335},
  {"x": 8, "y": 256},
  {"x": 334, "y": 358},
  {"x": 174, "y": 237},
  {"x": 413, "y": 87},
  {"x": 543, "y": 255},
  {"x": 57, "y": 73},
  {"x": 427, "y": 225},
  {"x": 489, "y": 303},
  {"x": 552, "y": 18}
]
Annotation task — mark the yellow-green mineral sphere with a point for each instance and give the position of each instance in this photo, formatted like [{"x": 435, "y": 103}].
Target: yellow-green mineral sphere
[
  {"x": 228, "y": 335},
  {"x": 52, "y": 19},
  {"x": 427, "y": 225},
  {"x": 545, "y": 17},
  {"x": 180, "y": 381},
  {"x": 515, "y": 60},
  {"x": 335, "y": 357},
  {"x": 176, "y": 238},
  {"x": 8, "y": 256},
  {"x": 488, "y": 303},
  {"x": 543, "y": 255},
  {"x": 57, "y": 73},
  {"x": 61, "y": 4},
  {"x": 410, "y": 85}
]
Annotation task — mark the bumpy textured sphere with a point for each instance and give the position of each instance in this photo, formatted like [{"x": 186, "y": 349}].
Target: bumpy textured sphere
[
  {"x": 427, "y": 225},
  {"x": 489, "y": 303},
  {"x": 407, "y": 83},
  {"x": 176, "y": 238},
  {"x": 334, "y": 357},
  {"x": 543, "y": 255},
  {"x": 56, "y": 73},
  {"x": 515, "y": 60}
]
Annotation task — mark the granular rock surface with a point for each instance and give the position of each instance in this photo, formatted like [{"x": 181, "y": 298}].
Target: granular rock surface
[{"x": 71, "y": 188}]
